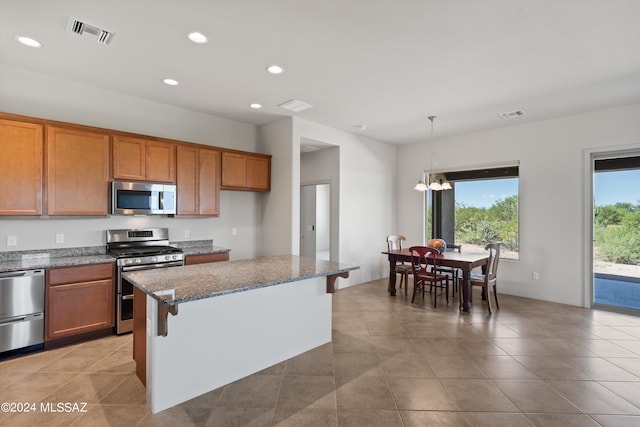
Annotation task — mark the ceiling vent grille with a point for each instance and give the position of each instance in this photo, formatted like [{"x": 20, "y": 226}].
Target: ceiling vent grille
[
  {"x": 512, "y": 114},
  {"x": 295, "y": 105},
  {"x": 83, "y": 29}
]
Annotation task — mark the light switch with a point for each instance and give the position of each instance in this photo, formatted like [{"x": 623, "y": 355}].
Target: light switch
[
  {"x": 234, "y": 231},
  {"x": 59, "y": 238},
  {"x": 12, "y": 240}
]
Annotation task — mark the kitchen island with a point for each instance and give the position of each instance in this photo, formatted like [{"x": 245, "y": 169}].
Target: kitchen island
[{"x": 199, "y": 327}]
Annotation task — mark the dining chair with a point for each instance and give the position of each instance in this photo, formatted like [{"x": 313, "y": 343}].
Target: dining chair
[
  {"x": 489, "y": 278},
  {"x": 395, "y": 243},
  {"x": 452, "y": 271},
  {"x": 424, "y": 262}
]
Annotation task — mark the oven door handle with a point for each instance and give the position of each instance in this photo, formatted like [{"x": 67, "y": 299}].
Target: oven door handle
[{"x": 150, "y": 266}]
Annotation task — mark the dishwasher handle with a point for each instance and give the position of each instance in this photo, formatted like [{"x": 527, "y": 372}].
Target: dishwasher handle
[{"x": 23, "y": 273}]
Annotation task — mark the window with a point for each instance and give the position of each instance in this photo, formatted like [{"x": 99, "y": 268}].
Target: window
[{"x": 482, "y": 207}]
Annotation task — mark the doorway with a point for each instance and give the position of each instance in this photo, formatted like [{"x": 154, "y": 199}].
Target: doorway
[
  {"x": 315, "y": 221},
  {"x": 616, "y": 232}
]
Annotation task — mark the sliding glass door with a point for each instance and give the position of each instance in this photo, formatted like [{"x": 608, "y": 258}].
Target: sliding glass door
[{"x": 616, "y": 222}]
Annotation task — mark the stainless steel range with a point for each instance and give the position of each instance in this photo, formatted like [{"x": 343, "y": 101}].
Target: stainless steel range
[{"x": 138, "y": 249}]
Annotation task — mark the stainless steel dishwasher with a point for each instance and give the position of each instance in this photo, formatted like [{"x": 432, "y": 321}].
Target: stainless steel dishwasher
[{"x": 21, "y": 309}]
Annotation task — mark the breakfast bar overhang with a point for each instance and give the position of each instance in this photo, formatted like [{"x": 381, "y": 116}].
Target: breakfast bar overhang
[{"x": 199, "y": 327}]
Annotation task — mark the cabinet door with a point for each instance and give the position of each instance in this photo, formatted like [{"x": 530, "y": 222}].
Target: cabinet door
[
  {"x": 160, "y": 162},
  {"x": 258, "y": 173},
  {"x": 79, "y": 307},
  {"x": 187, "y": 180},
  {"x": 77, "y": 172},
  {"x": 209, "y": 183},
  {"x": 21, "y": 162},
  {"x": 129, "y": 158},
  {"x": 234, "y": 170}
]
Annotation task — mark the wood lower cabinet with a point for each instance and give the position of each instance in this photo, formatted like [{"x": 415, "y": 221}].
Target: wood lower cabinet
[
  {"x": 143, "y": 160},
  {"x": 197, "y": 181},
  {"x": 77, "y": 164},
  {"x": 205, "y": 258},
  {"x": 140, "y": 334},
  {"x": 79, "y": 301},
  {"x": 21, "y": 177},
  {"x": 246, "y": 172}
]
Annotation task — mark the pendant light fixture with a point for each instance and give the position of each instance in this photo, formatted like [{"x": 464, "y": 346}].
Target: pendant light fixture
[{"x": 436, "y": 182}]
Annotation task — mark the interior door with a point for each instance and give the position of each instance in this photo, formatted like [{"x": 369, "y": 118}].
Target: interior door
[
  {"x": 308, "y": 221},
  {"x": 315, "y": 221}
]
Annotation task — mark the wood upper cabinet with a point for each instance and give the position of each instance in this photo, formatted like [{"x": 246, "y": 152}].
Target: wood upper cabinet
[
  {"x": 79, "y": 300},
  {"x": 246, "y": 172},
  {"x": 77, "y": 171},
  {"x": 197, "y": 181},
  {"x": 258, "y": 173},
  {"x": 21, "y": 161},
  {"x": 143, "y": 160}
]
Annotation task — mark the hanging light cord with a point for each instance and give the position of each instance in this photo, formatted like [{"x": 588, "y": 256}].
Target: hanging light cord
[{"x": 431, "y": 119}]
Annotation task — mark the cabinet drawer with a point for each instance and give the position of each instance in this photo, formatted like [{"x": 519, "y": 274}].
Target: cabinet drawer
[
  {"x": 84, "y": 273},
  {"x": 204, "y": 258}
]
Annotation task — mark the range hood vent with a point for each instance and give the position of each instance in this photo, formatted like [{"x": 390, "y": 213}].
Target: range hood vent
[{"x": 83, "y": 29}]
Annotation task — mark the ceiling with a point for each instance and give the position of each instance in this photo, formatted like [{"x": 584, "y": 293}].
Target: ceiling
[{"x": 383, "y": 64}]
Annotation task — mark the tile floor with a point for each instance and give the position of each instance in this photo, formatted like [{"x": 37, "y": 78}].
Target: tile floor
[{"x": 391, "y": 363}]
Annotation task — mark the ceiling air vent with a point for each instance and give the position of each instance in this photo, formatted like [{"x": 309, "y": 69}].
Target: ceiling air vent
[
  {"x": 83, "y": 29},
  {"x": 295, "y": 105},
  {"x": 512, "y": 114}
]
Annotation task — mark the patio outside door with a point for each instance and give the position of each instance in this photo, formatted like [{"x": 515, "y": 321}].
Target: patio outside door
[{"x": 616, "y": 221}]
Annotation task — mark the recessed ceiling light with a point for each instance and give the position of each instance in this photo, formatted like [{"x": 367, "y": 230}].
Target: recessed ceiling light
[
  {"x": 170, "y": 82},
  {"x": 275, "y": 69},
  {"x": 255, "y": 106},
  {"x": 197, "y": 37},
  {"x": 28, "y": 41}
]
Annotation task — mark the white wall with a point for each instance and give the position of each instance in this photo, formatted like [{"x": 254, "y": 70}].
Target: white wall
[
  {"x": 279, "y": 215},
  {"x": 552, "y": 192},
  {"x": 366, "y": 195},
  {"x": 35, "y": 95}
]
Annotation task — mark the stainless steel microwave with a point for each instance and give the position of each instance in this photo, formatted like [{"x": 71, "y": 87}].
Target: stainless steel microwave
[{"x": 142, "y": 198}]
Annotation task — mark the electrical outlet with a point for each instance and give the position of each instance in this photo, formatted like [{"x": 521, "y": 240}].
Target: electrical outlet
[
  {"x": 12, "y": 240},
  {"x": 59, "y": 238},
  {"x": 535, "y": 275},
  {"x": 186, "y": 234},
  {"x": 234, "y": 231}
]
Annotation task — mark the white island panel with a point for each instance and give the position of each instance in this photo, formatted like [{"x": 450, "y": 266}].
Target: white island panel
[{"x": 215, "y": 341}]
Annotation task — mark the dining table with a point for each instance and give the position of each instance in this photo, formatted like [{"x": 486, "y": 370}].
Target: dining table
[{"x": 464, "y": 261}]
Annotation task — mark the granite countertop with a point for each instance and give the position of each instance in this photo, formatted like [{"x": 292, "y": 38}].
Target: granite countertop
[
  {"x": 70, "y": 257},
  {"x": 194, "y": 282},
  {"x": 53, "y": 258},
  {"x": 38, "y": 263},
  {"x": 206, "y": 249}
]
